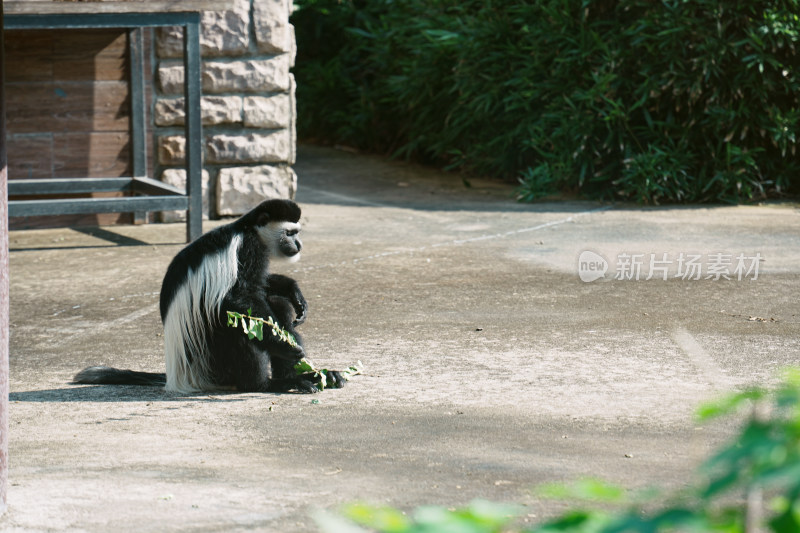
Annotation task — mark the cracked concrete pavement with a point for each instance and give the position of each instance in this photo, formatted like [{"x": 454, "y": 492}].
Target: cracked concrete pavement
[{"x": 490, "y": 367}]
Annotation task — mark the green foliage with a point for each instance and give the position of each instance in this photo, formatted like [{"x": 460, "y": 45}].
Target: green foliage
[
  {"x": 585, "y": 489},
  {"x": 478, "y": 517},
  {"x": 320, "y": 375},
  {"x": 670, "y": 101},
  {"x": 536, "y": 183},
  {"x": 253, "y": 327},
  {"x": 763, "y": 460}
]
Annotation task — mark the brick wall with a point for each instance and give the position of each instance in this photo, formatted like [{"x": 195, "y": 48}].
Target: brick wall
[{"x": 248, "y": 107}]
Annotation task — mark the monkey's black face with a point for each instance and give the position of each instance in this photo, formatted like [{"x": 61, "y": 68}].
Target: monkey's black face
[{"x": 282, "y": 240}]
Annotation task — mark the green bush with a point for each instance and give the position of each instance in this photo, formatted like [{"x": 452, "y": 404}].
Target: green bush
[
  {"x": 760, "y": 466},
  {"x": 671, "y": 101}
]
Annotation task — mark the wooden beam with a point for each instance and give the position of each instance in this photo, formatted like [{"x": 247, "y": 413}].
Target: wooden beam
[{"x": 4, "y": 285}]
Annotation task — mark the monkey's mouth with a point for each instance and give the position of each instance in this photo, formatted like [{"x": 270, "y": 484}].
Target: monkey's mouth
[{"x": 292, "y": 257}]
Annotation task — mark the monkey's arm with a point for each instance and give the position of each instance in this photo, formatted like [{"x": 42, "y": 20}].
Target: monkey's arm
[{"x": 286, "y": 287}]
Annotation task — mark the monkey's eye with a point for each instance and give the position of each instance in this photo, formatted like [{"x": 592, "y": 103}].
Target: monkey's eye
[{"x": 291, "y": 232}]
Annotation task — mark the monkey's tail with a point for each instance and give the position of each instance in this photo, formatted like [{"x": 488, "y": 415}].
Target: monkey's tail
[{"x": 104, "y": 375}]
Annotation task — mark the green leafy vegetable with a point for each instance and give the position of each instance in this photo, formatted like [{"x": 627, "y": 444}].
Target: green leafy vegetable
[
  {"x": 320, "y": 375},
  {"x": 253, "y": 327}
]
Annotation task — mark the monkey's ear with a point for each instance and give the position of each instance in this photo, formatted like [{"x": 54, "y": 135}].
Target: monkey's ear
[{"x": 262, "y": 219}]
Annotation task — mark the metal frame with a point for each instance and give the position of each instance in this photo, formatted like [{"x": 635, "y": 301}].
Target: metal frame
[{"x": 152, "y": 195}]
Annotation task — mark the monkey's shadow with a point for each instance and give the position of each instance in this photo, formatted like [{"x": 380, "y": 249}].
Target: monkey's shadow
[{"x": 120, "y": 393}]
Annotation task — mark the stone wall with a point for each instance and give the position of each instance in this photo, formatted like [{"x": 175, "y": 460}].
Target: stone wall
[{"x": 248, "y": 107}]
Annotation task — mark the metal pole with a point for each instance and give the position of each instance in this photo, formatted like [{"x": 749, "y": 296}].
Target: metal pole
[
  {"x": 193, "y": 128},
  {"x": 4, "y": 286},
  {"x": 138, "y": 117}
]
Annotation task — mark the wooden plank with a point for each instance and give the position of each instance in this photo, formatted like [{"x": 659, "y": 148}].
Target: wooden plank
[
  {"x": 14, "y": 7},
  {"x": 92, "y": 155},
  {"x": 95, "y": 153},
  {"x": 67, "y": 106},
  {"x": 81, "y": 55},
  {"x": 59, "y": 113},
  {"x": 30, "y": 156},
  {"x": 4, "y": 286},
  {"x": 29, "y": 56},
  {"x": 67, "y": 55}
]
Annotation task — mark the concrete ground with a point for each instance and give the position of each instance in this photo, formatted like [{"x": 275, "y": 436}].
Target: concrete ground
[{"x": 490, "y": 366}]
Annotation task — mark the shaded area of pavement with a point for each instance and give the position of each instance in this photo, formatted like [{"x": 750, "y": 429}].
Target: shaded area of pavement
[{"x": 490, "y": 366}]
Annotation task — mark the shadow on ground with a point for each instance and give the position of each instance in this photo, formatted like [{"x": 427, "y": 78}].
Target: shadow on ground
[{"x": 490, "y": 367}]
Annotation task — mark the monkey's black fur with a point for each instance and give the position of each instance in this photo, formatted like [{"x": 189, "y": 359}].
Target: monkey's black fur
[
  {"x": 252, "y": 257},
  {"x": 209, "y": 354}
]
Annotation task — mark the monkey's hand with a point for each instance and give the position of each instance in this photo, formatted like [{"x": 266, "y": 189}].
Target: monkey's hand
[
  {"x": 305, "y": 386},
  {"x": 298, "y": 383},
  {"x": 335, "y": 379},
  {"x": 286, "y": 287},
  {"x": 331, "y": 379},
  {"x": 300, "y": 308}
]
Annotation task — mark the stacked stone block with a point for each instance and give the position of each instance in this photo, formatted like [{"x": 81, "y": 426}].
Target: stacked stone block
[{"x": 247, "y": 107}]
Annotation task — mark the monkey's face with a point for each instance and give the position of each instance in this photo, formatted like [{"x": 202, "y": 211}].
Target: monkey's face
[{"x": 282, "y": 240}]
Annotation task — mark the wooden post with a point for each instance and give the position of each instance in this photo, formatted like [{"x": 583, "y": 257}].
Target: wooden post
[{"x": 3, "y": 281}]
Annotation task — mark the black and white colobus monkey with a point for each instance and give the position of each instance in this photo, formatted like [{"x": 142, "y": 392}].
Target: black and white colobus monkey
[{"x": 227, "y": 269}]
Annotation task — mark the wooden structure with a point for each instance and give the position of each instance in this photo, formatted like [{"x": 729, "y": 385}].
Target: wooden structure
[
  {"x": 127, "y": 175},
  {"x": 4, "y": 284},
  {"x": 131, "y": 15}
]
